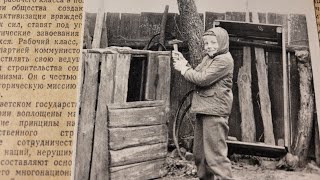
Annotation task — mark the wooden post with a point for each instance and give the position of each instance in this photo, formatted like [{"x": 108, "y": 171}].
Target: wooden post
[
  {"x": 305, "y": 117},
  {"x": 87, "y": 117},
  {"x": 248, "y": 127},
  {"x": 99, "y": 26},
  {"x": 163, "y": 27}
]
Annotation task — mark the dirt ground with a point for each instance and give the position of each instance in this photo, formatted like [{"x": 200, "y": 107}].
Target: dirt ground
[{"x": 244, "y": 169}]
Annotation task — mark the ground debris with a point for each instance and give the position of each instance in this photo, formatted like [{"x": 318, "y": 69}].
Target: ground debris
[{"x": 180, "y": 168}]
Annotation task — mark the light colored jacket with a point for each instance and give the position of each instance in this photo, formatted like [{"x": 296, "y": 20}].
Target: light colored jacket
[{"x": 213, "y": 77}]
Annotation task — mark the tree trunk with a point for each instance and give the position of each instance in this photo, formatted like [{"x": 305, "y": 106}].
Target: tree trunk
[
  {"x": 265, "y": 104},
  {"x": 248, "y": 127},
  {"x": 305, "y": 117},
  {"x": 192, "y": 29}
]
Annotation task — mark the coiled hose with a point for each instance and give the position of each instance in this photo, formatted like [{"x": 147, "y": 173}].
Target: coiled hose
[{"x": 177, "y": 122}]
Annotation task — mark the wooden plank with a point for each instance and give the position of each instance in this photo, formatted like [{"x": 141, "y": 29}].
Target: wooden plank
[
  {"x": 265, "y": 104},
  {"x": 137, "y": 136},
  {"x": 136, "y": 117},
  {"x": 286, "y": 107},
  {"x": 275, "y": 77},
  {"x": 163, "y": 86},
  {"x": 262, "y": 18},
  {"x": 258, "y": 149},
  {"x": 98, "y": 26},
  {"x": 250, "y": 30},
  {"x": 235, "y": 116},
  {"x": 150, "y": 24},
  {"x": 121, "y": 78},
  {"x": 280, "y": 19},
  {"x": 104, "y": 33},
  {"x": 294, "y": 102},
  {"x": 87, "y": 117},
  {"x": 90, "y": 22},
  {"x": 113, "y": 22},
  {"x": 151, "y": 76},
  {"x": 248, "y": 127},
  {"x": 298, "y": 33},
  {"x": 236, "y": 16},
  {"x": 100, "y": 156},
  {"x": 163, "y": 27},
  {"x": 140, "y": 171},
  {"x": 138, "y": 154},
  {"x": 211, "y": 17},
  {"x": 129, "y": 25},
  {"x": 137, "y": 104}
]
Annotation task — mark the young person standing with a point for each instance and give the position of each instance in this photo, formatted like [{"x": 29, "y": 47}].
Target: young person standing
[{"x": 212, "y": 103}]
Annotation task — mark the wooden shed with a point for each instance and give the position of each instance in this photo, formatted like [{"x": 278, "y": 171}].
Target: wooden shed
[{"x": 122, "y": 127}]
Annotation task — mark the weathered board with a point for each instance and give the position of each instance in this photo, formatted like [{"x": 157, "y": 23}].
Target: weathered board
[
  {"x": 151, "y": 76},
  {"x": 138, "y": 154},
  {"x": 136, "y": 117},
  {"x": 132, "y": 21},
  {"x": 100, "y": 157},
  {"x": 121, "y": 78},
  {"x": 264, "y": 96},
  {"x": 211, "y": 17},
  {"x": 113, "y": 24},
  {"x": 164, "y": 78},
  {"x": 275, "y": 77},
  {"x": 137, "y": 136},
  {"x": 87, "y": 116},
  {"x": 248, "y": 126},
  {"x": 140, "y": 171}
]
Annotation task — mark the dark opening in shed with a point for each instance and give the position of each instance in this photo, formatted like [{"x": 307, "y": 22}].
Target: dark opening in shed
[{"x": 137, "y": 78}]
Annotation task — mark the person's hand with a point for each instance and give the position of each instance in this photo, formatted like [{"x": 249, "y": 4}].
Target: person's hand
[
  {"x": 181, "y": 66},
  {"x": 177, "y": 56}
]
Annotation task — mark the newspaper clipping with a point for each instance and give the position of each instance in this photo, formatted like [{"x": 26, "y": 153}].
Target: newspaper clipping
[{"x": 39, "y": 54}]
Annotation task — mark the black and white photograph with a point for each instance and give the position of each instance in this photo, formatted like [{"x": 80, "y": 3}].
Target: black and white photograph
[{"x": 198, "y": 89}]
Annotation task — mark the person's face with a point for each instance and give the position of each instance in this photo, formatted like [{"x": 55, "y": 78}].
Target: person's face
[{"x": 210, "y": 45}]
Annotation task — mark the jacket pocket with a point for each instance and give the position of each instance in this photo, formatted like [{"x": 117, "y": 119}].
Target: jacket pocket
[{"x": 207, "y": 92}]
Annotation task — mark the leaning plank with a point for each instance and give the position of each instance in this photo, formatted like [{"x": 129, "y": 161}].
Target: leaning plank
[
  {"x": 136, "y": 117},
  {"x": 99, "y": 26},
  {"x": 87, "y": 117},
  {"x": 121, "y": 78},
  {"x": 138, "y": 154},
  {"x": 140, "y": 171},
  {"x": 305, "y": 117},
  {"x": 248, "y": 127},
  {"x": 100, "y": 155},
  {"x": 265, "y": 104},
  {"x": 137, "y": 136}
]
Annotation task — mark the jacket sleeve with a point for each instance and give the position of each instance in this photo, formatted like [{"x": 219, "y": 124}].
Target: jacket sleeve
[{"x": 214, "y": 72}]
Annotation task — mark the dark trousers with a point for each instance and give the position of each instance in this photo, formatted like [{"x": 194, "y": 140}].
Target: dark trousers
[{"x": 210, "y": 147}]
